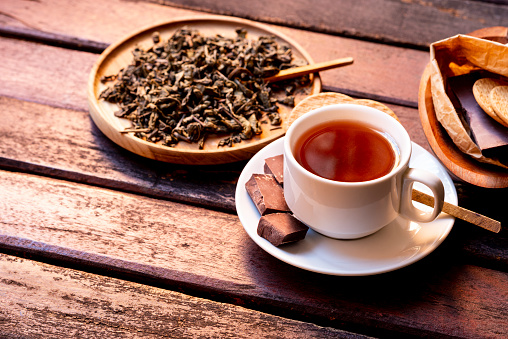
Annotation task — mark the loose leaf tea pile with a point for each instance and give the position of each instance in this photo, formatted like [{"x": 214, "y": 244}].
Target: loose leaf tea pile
[{"x": 192, "y": 86}]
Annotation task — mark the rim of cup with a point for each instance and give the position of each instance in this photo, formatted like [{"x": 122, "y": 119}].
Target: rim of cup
[{"x": 404, "y": 155}]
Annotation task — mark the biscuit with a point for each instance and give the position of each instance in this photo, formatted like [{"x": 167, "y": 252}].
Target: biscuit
[
  {"x": 331, "y": 98},
  {"x": 499, "y": 102},
  {"x": 377, "y": 105},
  {"x": 315, "y": 101},
  {"x": 481, "y": 91}
]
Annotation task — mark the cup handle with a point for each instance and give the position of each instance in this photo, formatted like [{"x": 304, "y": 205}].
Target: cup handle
[{"x": 407, "y": 209}]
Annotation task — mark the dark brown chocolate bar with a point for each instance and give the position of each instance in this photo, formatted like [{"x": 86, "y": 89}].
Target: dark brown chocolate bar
[
  {"x": 266, "y": 193},
  {"x": 490, "y": 136},
  {"x": 275, "y": 166},
  {"x": 281, "y": 228}
]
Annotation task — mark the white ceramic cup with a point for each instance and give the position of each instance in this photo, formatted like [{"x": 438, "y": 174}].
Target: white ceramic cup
[{"x": 349, "y": 210}]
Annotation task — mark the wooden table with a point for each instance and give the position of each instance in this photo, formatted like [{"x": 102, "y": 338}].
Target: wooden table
[{"x": 96, "y": 241}]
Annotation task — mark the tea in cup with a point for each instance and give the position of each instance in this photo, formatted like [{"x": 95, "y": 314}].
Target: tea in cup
[{"x": 347, "y": 175}]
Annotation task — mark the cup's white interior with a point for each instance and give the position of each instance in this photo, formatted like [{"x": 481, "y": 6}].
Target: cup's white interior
[{"x": 367, "y": 115}]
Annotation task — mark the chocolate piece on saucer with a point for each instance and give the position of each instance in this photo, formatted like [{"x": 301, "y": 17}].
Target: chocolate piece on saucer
[
  {"x": 281, "y": 228},
  {"x": 266, "y": 193},
  {"x": 275, "y": 166},
  {"x": 490, "y": 136}
]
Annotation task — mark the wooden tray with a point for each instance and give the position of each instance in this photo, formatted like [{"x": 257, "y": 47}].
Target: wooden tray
[
  {"x": 119, "y": 55},
  {"x": 458, "y": 163}
]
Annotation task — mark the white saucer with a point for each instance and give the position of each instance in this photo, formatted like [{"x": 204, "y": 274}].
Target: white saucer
[{"x": 399, "y": 244}]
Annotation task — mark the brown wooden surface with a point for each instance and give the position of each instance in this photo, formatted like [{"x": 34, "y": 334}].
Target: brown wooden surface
[
  {"x": 161, "y": 242},
  {"x": 416, "y": 23},
  {"x": 114, "y": 228},
  {"x": 41, "y": 300}
]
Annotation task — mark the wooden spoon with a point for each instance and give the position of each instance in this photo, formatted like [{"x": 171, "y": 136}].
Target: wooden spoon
[
  {"x": 460, "y": 212},
  {"x": 307, "y": 69}
]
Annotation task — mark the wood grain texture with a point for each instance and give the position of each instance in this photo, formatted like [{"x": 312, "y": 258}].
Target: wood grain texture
[
  {"x": 41, "y": 300},
  {"x": 416, "y": 23},
  {"x": 66, "y": 144},
  {"x": 208, "y": 253},
  {"x": 376, "y": 73},
  {"x": 72, "y": 198},
  {"x": 50, "y": 75}
]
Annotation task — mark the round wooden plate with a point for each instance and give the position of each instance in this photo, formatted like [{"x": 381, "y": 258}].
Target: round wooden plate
[
  {"x": 458, "y": 163},
  {"x": 119, "y": 55}
]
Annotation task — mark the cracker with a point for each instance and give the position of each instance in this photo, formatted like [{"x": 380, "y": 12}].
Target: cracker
[
  {"x": 499, "y": 102},
  {"x": 315, "y": 101},
  {"x": 324, "y": 99},
  {"x": 377, "y": 105},
  {"x": 481, "y": 91}
]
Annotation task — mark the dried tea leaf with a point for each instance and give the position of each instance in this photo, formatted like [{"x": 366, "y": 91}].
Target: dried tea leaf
[{"x": 192, "y": 86}]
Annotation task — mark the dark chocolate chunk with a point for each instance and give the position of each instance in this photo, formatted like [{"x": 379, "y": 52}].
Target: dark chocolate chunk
[
  {"x": 490, "y": 136},
  {"x": 281, "y": 228},
  {"x": 266, "y": 193},
  {"x": 275, "y": 166}
]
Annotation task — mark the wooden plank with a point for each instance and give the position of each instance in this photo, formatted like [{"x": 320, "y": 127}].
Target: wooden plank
[
  {"x": 41, "y": 300},
  {"x": 380, "y": 72},
  {"x": 207, "y": 253},
  {"x": 52, "y": 39},
  {"x": 66, "y": 144},
  {"x": 416, "y": 23},
  {"x": 50, "y": 75}
]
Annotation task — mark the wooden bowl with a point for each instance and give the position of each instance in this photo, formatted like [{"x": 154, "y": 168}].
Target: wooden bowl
[
  {"x": 459, "y": 164},
  {"x": 119, "y": 55}
]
